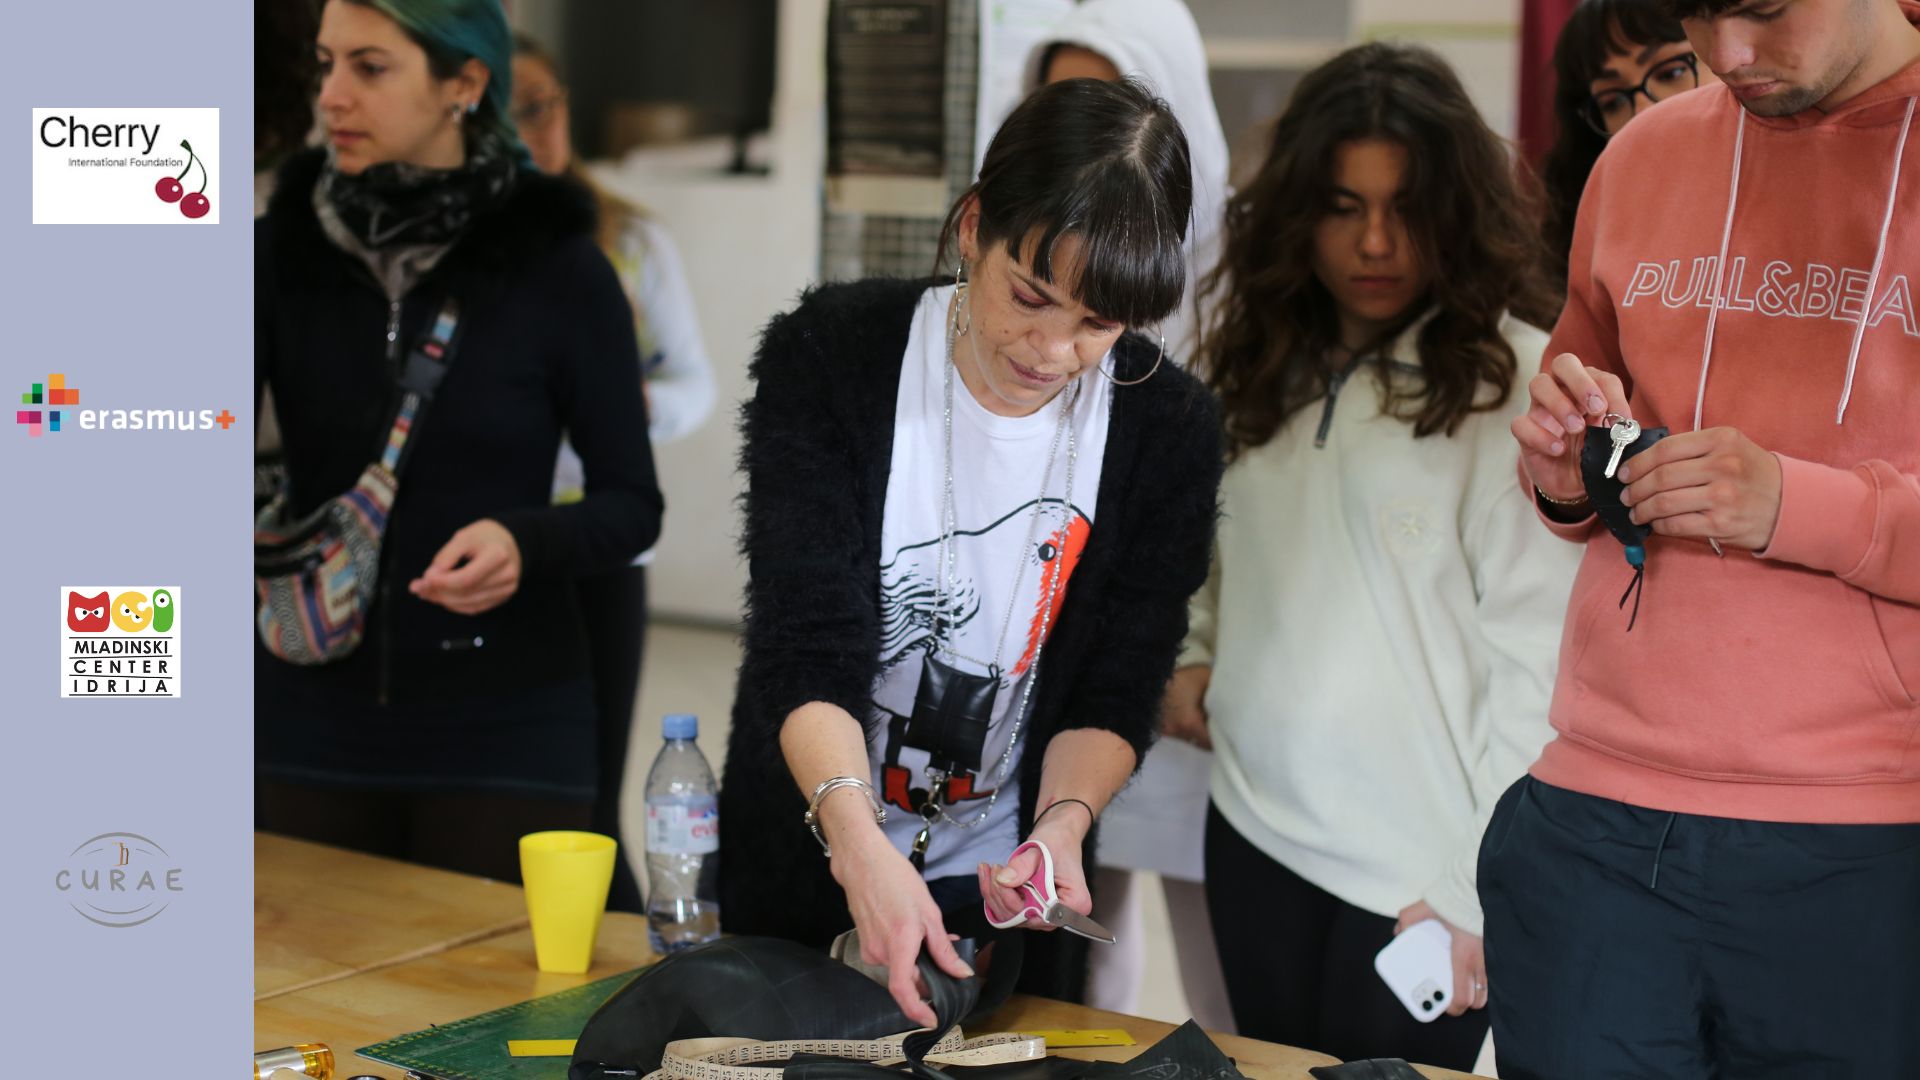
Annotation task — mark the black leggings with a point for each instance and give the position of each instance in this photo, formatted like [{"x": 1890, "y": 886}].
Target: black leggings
[
  {"x": 467, "y": 833},
  {"x": 1298, "y": 963},
  {"x": 614, "y": 608}
]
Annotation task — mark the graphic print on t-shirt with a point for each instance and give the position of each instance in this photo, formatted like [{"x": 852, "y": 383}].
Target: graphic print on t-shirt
[
  {"x": 910, "y": 606},
  {"x": 951, "y": 454}
]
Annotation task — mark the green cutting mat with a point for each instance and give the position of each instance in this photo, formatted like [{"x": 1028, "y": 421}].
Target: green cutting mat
[{"x": 476, "y": 1048}]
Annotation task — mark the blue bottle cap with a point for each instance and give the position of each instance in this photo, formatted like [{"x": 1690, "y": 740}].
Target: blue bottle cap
[{"x": 681, "y": 726}]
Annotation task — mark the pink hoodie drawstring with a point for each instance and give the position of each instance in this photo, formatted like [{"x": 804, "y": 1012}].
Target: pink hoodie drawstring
[
  {"x": 1873, "y": 276},
  {"x": 1720, "y": 268}
]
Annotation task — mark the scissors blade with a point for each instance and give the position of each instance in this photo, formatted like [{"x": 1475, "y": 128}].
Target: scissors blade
[{"x": 1064, "y": 917}]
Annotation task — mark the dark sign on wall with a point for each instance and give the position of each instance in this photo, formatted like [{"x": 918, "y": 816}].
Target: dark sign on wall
[{"x": 886, "y": 100}]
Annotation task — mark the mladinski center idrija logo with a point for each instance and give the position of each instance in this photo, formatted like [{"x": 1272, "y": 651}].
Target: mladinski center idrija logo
[
  {"x": 120, "y": 641},
  {"x": 126, "y": 166}
]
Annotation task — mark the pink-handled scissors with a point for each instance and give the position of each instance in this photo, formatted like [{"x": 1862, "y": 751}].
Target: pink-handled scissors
[{"x": 1043, "y": 902}]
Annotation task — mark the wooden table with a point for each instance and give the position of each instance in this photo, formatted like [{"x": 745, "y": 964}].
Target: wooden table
[
  {"x": 362, "y": 968},
  {"x": 374, "y": 1006},
  {"x": 1258, "y": 1060},
  {"x": 367, "y": 1008},
  {"x": 320, "y": 913}
]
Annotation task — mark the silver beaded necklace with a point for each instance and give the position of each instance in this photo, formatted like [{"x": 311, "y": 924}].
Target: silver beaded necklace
[{"x": 937, "y": 779}]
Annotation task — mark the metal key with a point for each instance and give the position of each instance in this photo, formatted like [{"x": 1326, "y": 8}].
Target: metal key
[{"x": 1624, "y": 433}]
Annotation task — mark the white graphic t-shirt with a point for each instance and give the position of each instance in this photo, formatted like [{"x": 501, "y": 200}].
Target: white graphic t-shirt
[{"x": 997, "y": 466}]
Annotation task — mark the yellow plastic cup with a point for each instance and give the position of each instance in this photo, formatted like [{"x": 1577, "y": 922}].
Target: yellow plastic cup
[{"x": 567, "y": 875}]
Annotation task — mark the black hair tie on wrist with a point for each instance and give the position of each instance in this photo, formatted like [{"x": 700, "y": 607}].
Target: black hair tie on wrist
[{"x": 1057, "y": 803}]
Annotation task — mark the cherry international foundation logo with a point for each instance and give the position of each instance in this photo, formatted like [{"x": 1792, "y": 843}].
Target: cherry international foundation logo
[{"x": 105, "y": 166}]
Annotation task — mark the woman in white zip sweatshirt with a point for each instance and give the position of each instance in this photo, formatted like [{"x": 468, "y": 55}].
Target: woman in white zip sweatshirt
[{"x": 1373, "y": 655}]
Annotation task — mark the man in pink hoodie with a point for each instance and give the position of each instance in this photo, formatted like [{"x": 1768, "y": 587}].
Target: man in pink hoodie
[{"x": 1714, "y": 869}]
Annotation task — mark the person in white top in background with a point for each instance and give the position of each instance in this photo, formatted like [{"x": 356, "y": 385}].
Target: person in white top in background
[
  {"x": 1157, "y": 43},
  {"x": 1157, "y": 823},
  {"x": 679, "y": 392},
  {"x": 1374, "y": 651}
]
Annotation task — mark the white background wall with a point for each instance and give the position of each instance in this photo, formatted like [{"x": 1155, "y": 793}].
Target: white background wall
[{"x": 751, "y": 244}]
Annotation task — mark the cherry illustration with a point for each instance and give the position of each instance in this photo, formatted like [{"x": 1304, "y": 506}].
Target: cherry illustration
[
  {"x": 169, "y": 188},
  {"x": 197, "y": 204}
]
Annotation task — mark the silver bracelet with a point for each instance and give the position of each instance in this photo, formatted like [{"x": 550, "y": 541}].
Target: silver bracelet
[
  {"x": 1569, "y": 504},
  {"x": 828, "y": 787}
]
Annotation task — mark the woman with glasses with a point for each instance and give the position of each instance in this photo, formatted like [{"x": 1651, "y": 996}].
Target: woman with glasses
[
  {"x": 1374, "y": 649},
  {"x": 1614, "y": 59},
  {"x": 679, "y": 394}
]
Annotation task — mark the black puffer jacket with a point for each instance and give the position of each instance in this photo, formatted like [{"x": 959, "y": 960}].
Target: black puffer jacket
[
  {"x": 818, "y": 446},
  {"x": 546, "y": 345}
]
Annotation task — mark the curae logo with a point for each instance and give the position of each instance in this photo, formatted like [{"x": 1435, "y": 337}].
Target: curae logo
[
  {"x": 119, "y": 880},
  {"x": 47, "y": 395}
]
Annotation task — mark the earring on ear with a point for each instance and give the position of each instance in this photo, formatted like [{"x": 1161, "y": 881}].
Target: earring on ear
[
  {"x": 473, "y": 107},
  {"x": 455, "y": 109},
  {"x": 960, "y": 301},
  {"x": 1136, "y": 382}
]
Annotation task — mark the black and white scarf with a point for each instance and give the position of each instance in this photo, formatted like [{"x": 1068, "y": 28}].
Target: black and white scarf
[{"x": 399, "y": 204}]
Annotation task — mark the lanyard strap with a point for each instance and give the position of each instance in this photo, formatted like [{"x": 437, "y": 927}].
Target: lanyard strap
[{"x": 419, "y": 379}]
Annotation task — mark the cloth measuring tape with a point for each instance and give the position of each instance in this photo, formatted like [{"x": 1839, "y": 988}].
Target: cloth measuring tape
[{"x": 745, "y": 1059}]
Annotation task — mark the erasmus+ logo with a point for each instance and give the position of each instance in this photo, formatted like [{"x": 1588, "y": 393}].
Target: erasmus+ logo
[
  {"x": 119, "y": 880},
  {"x": 126, "y": 166},
  {"x": 49, "y": 407}
]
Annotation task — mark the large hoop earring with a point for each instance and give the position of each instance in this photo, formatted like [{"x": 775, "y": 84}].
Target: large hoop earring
[
  {"x": 1136, "y": 382},
  {"x": 960, "y": 302}
]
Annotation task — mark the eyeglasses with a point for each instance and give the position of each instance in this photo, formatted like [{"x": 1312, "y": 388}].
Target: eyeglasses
[
  {"x": 1608, "y": 111},
  {"x": 538, "y": 112}
]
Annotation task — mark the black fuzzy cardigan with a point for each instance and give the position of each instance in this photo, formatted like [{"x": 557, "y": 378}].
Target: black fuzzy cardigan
[
  {"x": 546, "y": 345},
  {"x": 818, "y": 442}
]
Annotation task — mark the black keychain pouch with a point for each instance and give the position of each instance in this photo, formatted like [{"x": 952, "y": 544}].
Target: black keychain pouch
[
  {"x": 1604, "y": 492},
  {"x": 951, "y": 714}
]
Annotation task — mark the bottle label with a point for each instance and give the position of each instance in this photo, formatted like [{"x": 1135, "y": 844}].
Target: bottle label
[{"x": 683, "y": 828}]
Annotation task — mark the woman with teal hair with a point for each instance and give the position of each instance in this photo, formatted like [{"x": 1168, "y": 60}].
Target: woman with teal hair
[
  {"x": 462, "y": 38},
  {"x": 465, "y": 718}
]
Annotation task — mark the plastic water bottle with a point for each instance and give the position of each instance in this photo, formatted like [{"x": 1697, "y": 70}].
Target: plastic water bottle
[{"x": 683, "y": 833}]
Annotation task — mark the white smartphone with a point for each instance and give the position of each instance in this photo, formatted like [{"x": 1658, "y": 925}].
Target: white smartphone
[{"x": 1418, "y": 967}]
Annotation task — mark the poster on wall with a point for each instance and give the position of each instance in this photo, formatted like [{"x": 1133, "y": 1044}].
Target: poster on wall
[
  {"x": 886, "y": 107},
  {"x": 1009, "y": 32}
]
